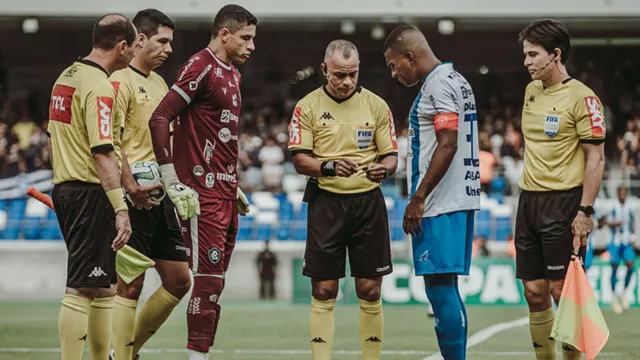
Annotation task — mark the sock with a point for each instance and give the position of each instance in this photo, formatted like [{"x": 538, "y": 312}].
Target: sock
[
  {"x": 370, "y": 329},
  {"x": 321, "y": 328},
  {"x": 152, "y": 315},
  {"x": 450, "y": 321},
  {"x": 201, "y": 313},
  {"x": 570, "y": 353},
  {"x": 196, "y": 355},
  {"x": 627, "y": 278},
  {"x": 614, "y": 278},
  {"x": 99, "y": 328},
  {"x": 72, "y": 326},
  {"x": 464, "y": 317},
  {"x": 540, "y": 325},
  {"x": 124, "y": 320}
]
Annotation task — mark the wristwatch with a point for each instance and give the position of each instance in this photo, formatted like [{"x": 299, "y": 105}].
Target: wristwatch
[{"x": 587, "y": 210}]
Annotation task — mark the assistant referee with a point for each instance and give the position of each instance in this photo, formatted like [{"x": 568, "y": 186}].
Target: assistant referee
[
  {"x": 87, "y": 196},
  {"x": 564, "y": 130},
  {"x": 342, "y": 136}
]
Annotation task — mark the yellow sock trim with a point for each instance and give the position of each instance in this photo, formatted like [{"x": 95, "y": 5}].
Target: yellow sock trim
[
  {"x": 153, "y": 314},
  {"x": 370, "y": 327},
  {"x": 99, "y": 328},
  {"x": 540, "y": 325},
  {"x": 72, "y": 326},
  {"x": 321, "y": 328},
  {"x": 124, "y": 322}
]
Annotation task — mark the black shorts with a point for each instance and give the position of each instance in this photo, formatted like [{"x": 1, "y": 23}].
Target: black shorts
[
  {"x": 88, "y": 226},
  {"x": 354, "y": 221},
  {"x": 156, "y": 232},
  {"x": 544, "y": 239}
]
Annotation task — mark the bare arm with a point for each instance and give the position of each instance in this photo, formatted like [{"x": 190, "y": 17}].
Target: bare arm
[
  {"x": 107, "y": 169},
  {"x": 305, "y": 164},
  {"x": 594, "y": 168}
]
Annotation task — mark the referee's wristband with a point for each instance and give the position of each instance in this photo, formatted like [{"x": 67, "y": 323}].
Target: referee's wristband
[
  {"x": 116, "y": 198},
  {"x": 328, "y": 168}
]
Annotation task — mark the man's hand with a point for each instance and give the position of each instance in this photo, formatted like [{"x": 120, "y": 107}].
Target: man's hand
[
  {"x": 412, "y": 221},
  {"x": 376, "y": 172},
  {"x": 242, "y": 203},
  {"x": 346, "y": 168},
  {"x": 582, "y": 225},
  {"x": 185, "y": 199},
  {"x": 140, "y": 196},
  {"x": 123, "y": 225}
]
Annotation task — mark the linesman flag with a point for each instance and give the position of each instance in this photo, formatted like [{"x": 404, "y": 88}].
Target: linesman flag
[{"x": 579, "y": 321}]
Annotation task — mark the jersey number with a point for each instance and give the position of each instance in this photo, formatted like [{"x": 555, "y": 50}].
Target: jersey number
[{"x": 60, "y": 107}]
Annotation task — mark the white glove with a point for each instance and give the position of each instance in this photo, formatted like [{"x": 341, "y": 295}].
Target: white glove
[
  {"x": 242, "y": 203},
  {"x": 184, "y": 198}
]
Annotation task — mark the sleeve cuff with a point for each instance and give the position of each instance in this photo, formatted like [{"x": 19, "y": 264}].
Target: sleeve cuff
[
  {"x": 102, "y": 149},
  {"x": 301, "y": 151},
  {"x": 395, "y": 153},
  {"x": 592, "y": 141}
]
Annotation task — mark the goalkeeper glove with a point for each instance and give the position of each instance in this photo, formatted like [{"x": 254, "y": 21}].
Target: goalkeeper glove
[
  {"x": 242, "y": 203},
  {"x": 183, "y": 197}
]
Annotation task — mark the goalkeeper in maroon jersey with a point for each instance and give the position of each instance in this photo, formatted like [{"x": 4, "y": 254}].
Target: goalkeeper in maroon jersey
[{"x": 202, "y": 182}]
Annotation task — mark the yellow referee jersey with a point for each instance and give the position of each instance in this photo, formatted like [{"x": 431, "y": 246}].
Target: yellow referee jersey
[
  {"x": 138, "y": 97},
  {"x": 82, "y": 115},
  {"x": 555, "y": 120},
  {"x": 359, "y": 127}
]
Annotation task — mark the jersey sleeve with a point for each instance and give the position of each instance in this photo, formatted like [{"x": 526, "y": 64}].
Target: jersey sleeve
[
  {"x": 444, "y": 102},
  {"x": 301, "y": 129},
  {"x": 193, "y": 79},
  {"x": 124, "y": 97},
  {"x": 99, "y": 110},
  {"x": 589, "y": 119},
  {"x": 385, "y": 130}
]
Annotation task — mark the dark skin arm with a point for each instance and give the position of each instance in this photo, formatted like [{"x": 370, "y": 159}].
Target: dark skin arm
[{"x": 440, "y": 162}]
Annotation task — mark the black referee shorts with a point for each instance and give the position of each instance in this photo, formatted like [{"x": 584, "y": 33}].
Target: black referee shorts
[
  {"x": 88, "y": 226},
  {"x": 357, "y": 222},
  {"x": 544, "y": 238},
  {"x": 156, "y": 232}
]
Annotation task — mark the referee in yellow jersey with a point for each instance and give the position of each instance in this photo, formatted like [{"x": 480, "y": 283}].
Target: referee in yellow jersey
[
  {"x": 564, "y": 130},
  {"x": 342, "y": 137},
  {"x": 87, "y": 195}
]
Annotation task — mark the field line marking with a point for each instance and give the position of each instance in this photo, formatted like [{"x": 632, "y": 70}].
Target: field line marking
[{"x": 486, "y": 333}]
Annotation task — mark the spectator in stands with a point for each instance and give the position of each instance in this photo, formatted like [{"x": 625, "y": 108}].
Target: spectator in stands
[
  {"x": 267, "y": 264},
  {"x": 271, "y": 157},
  {"x": 479, "y": 248}
]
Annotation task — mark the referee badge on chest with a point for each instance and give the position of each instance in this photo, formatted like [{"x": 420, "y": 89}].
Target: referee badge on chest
[
  {"x": 551, "y": 125},
  {"x": 363, "y": 138}
]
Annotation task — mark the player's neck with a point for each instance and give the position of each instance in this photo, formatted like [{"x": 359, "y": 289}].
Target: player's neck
[
  {"x": 101, "y": 59},
  {"x": 429, "y": 64},
  {"x": 556, "y": 77},
  {"x": 219, "y": 51},
  {"x": 139, "y": 64}
]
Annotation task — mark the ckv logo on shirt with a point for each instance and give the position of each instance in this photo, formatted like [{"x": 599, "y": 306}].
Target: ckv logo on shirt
[{"x": 105, "y": 104}]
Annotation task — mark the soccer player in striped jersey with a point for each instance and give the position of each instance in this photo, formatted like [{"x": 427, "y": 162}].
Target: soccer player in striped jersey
[{"x": 621, "y": 220}]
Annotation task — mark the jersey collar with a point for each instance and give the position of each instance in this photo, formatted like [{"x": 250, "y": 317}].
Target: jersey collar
[
  {"x": 556, "y": 86},
  {"x": 95, "y": 65},
  {"x": 339, "y": 100},
  {"x": 138, "y": 71}
]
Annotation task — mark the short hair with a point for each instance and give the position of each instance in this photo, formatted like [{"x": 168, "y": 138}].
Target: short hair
[
  {"x": 149, "y": 21},
  {"x": 112, "y": 29},
  {"x": 550, "y": 35},
  {"x": 233, "y": 18},
  {"x": 396, "y": 40},
  {"x": 346, "y": 48}
]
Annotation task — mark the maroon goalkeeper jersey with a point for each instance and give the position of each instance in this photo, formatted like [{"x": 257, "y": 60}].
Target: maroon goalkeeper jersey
[{"x": 205, "y": 138}]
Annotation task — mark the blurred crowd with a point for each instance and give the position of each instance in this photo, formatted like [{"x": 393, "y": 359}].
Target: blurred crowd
[{"x": 264, "y": 159}]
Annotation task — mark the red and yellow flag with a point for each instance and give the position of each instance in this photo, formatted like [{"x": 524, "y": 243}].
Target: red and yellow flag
[{"x": 579, "y": 321}]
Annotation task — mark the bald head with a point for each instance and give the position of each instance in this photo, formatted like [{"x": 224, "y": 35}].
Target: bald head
[
  {"x": 112, "y": 29},
  {"x": 344, "y": 48},
  {"x": 405, "y": 38}
]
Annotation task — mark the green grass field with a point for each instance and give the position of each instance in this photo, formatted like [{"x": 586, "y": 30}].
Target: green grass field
[{"x": 278, "y": 331}]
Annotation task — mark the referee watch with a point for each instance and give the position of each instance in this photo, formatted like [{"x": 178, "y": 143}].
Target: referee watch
[{"x": 587, "y": 210}]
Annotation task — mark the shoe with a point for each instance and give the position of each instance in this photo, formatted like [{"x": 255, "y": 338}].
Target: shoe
[
  {"x": 137, "y": 357},
  {"x": 624, "y": 302},
  {"x": 616, "y": 306},
  {"x": 112, "y": 355},
  {"x": 430, "y": 311}
]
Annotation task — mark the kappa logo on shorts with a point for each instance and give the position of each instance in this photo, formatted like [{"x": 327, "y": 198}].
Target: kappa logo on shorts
[
  {"x": 384, "y": 268},
  {"x": 215, "y": 255},
  {"x": 97, "y": 272},
  {"x": 424, "y": 256},
  {"x": 555, "y": 267}
]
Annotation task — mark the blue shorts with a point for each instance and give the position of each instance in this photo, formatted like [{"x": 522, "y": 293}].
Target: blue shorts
[
  {"x": 622, "y": 252},
  {"x": 444, "y": 245}
]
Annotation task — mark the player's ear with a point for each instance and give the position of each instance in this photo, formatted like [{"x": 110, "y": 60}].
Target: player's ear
[
  {"x": 323, "y": 67},
  {"x": 411, "y": 56},
  {"x": 557, "y": 53},
  {"x": 122, "y": 47},
  {"x": 224, "y": 34}
]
